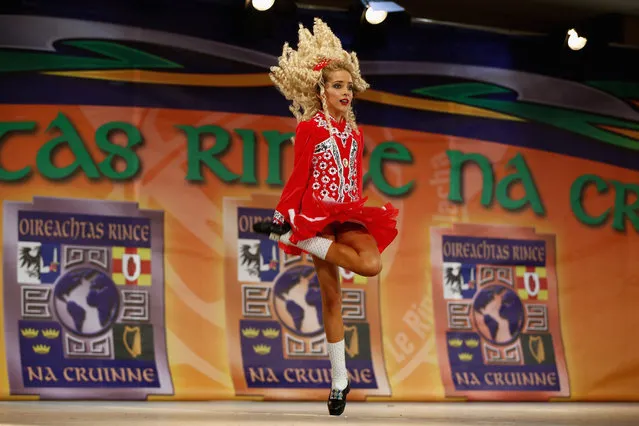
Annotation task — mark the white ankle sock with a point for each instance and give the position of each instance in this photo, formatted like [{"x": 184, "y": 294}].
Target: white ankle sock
[
  {"x": 285, "y": 238},
  {"x": 338, "y": 365},
  {"x": 317, "y": 246}
]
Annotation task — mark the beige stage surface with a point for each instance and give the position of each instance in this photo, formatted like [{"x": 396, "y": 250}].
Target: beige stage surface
[{"x": 297, "y": 413}]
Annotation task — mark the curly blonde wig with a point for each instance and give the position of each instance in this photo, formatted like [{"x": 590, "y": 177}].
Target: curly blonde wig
[{"x": 301, "y": 74}]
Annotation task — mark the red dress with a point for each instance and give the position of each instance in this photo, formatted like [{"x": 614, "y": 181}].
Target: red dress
[{"x": 326, "y": 185}]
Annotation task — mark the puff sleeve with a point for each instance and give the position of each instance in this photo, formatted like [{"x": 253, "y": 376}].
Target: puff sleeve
[{"x": 297, "y": 183}]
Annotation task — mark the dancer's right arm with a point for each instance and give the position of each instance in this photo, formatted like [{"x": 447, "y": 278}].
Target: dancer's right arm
[{"x": 297, "y": 183}]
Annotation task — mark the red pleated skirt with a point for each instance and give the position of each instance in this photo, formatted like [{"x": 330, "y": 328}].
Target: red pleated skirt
[{"x": 381, "y": 222}]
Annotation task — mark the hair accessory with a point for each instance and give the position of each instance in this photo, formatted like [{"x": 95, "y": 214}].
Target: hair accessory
[{"x": 321, "y": 64}]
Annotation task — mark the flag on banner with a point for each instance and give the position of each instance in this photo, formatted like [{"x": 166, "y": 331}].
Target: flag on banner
[
  {"x": 349, "y": 277},
  {"x": 38, "y": 263},
  {"x": 531, "y": 283},
  {"x": 131, "y": 266}
]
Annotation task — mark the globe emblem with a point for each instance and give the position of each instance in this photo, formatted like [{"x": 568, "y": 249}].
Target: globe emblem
[
  {"x": 86, "y": 301},
  {"x": 298, "y": 301},
  {"x": 498, "y": 314}
]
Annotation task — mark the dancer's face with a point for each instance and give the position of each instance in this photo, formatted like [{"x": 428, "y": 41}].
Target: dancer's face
[{"x": 338, "y": 90}]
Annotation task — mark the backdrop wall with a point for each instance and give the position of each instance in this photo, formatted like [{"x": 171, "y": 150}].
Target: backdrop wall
[{"x": 137, "y": 152}]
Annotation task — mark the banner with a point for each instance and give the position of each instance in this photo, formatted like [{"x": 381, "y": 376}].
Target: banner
[
  {"x": 88, "y": 275},
  {"x": 135, "y": 161}
]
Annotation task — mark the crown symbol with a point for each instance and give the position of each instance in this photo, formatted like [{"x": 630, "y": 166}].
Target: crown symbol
[
  {"x": 472, "y": 343},
  {"x": 455, "y": 342},
  {"x": 29, "y": 333},
  {"x": 250, "y": 332},
  {"x": 50, "y": 333},
  {"x": 41, "y": 349},
  {"x": 466, "y": 356},
  {"x": 271, "y": 333},
  {"x": 262, "y": 349}
]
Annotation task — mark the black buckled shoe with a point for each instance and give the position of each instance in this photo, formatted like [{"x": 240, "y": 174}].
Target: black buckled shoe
[
  {"x": 337, "y": 400},
  {"x": 269, "y": 228}
]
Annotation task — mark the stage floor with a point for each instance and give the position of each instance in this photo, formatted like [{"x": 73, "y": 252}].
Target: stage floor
[{"x": 288, "y": 414}]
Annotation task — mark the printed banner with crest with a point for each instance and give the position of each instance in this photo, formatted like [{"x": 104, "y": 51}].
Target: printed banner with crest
[
  {"x": 76, "y": 324},
  {"x": 496, "y": 312}
]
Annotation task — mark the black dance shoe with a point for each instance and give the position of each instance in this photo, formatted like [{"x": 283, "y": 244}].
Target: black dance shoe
[
  {"x": 337, "y": 400},
  {"x": 269, "y": 228}
]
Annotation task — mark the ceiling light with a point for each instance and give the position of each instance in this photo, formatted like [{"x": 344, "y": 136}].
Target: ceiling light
[
  {"x": 576, "y": 42},
  {"x": 262, "y": 5}
]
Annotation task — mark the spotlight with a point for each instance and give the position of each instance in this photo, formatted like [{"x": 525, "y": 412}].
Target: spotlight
[
  {"x": 576, "y": 42},
  {"x": 374, "y": 16},
  {"x": 262, "y": 5},
  {"x": 377, "y": 11}
]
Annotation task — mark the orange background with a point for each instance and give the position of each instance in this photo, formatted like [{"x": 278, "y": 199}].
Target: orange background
[{"x": 598, "y": 280}]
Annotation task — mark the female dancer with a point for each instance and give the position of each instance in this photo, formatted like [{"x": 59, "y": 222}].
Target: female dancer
[{"x": 321, "y": 210}]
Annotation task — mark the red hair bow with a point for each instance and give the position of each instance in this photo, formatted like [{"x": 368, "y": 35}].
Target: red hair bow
[{"x": 321, "y": 64}]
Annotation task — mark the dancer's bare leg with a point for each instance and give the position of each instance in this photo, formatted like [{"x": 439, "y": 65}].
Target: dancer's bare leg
[
  {"x": 328, "y": 277},
  {"x": 354, "y": 249}
]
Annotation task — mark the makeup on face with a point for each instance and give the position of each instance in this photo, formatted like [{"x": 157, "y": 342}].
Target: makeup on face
[{"x": 339, "y": 93}]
